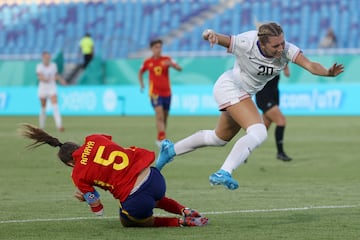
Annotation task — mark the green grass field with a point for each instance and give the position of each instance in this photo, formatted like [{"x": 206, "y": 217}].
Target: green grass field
[{"x": 316, "y": 196}]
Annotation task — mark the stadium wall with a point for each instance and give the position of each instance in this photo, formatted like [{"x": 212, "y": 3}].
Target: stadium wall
[
  {"x": 296, "y": 99},
  {"x": 301, "y": 94}
]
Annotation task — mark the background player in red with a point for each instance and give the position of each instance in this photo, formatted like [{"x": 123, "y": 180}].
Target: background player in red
[
  {"x": 124, "y": 172},
  {"x": 159, "y": 85}
]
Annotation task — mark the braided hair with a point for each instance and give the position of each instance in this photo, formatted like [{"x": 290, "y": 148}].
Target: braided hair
[
  {"x": 41, "y": 137},
  {"x": 267, "y": 30}
]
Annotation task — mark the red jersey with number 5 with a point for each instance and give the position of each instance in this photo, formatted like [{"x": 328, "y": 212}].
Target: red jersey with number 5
[
  {"x": 159, "y": 82},
  {"x": 103, "y": 163}
]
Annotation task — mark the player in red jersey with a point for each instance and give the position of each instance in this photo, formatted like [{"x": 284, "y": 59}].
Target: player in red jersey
[
  {"x": 159, "y": 85},
  {"x": 124, "y": 172}
]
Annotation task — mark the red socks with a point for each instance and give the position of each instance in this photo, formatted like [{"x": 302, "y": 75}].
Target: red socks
[
  {"x": 161, "y": 136},
  {"x": 170, "y": 205},
  {"x": 166, "y": 222}
]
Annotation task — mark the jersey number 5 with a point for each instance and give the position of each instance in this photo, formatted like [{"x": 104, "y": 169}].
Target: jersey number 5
[{"x": 111, "y": 159}]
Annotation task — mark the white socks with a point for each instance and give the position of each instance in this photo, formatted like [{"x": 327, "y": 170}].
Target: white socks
[
  {"x": 255, "y": 135},
  {"x": 57, "y": 117},
  {"x": 42, "y": 118},
  {"x": 199, "y": 139}
]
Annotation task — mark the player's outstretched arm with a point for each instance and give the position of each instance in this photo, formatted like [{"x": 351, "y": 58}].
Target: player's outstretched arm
[
  {"x": 216, "y": 38},
  {"x": 176, "y": 66},
  {"x": 317, "y": 68}
]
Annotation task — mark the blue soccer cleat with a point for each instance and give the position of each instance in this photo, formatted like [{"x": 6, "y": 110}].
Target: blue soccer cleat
[
  {"x": 222, "y": 177},
  {"x": 166, "y": 154}
]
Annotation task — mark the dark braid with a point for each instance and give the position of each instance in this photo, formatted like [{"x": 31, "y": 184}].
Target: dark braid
[
  {"x": 267, "y": 30},
  {"x": 41, "y": 137}
]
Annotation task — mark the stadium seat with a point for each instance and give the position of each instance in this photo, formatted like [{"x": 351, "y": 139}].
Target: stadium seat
[{"x": 123, "y": 27}]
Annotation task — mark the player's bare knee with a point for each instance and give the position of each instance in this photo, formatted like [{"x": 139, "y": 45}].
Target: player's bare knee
[
  {"x": 258, "y": 131},
  {"x": 211, "y": 139},
  {"x": 281, "y": 121}
]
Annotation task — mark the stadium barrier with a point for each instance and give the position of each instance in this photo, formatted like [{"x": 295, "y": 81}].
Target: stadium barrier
[
  {"x": 196, "y": 70},
  {"x": 117, "y": 91},
  {"x": 296, "y": 99}
]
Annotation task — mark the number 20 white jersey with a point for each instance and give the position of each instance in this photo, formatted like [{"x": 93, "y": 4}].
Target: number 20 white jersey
[{"x": 252, "y": 69}]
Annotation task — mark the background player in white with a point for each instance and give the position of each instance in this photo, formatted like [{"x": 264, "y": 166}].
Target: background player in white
[
  {"x": 260, "y": 55},
  {"x": 47, "y": 74}
]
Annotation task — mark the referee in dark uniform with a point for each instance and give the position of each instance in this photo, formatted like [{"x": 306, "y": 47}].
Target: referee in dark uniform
[{"x": 268, "y": 102}]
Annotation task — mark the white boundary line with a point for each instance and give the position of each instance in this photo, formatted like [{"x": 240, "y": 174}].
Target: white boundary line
[
  {"x": 282, "y": 209},
  {"x": 205, "y": 213}
]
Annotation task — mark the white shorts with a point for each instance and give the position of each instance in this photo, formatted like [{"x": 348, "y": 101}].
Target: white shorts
[
  {"x": 46, "y": 91},
  {"x": 227, "y": 91}
]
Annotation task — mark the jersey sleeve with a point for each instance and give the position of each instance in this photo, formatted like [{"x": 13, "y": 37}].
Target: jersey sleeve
[
  {"x": 107, "y": 136},
  {"x": 103, "y": 135},
  {"x": 82, "y": 185},
  {"x": 168, "y": 58},
  {"x": 291, "y": 51},
  {"x": 240, "y": 43},
  {"x": 173, "y": 61},
  {"x": 96, "y": 136},
  {"x": 143, "y": 67}
]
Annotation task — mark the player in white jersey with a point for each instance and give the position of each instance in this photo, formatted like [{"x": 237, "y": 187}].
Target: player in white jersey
[
  {"x": 47, "y": 74},
  {"x": 260, "y": 56}
]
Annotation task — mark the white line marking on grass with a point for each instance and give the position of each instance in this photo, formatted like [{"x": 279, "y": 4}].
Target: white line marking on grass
[
  {"x": 206, "y": 213},
  {"x": 54, "y": 219},
  {"x": 281, "y": 209}
]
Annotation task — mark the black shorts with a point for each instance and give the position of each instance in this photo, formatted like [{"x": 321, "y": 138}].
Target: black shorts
[{"x": 268, "y": 97}]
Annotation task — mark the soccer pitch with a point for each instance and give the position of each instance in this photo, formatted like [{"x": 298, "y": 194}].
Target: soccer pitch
[{"x": 316, "y": 196}]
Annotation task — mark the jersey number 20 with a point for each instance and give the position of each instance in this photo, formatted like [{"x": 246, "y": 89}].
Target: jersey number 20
[
  {"x": 111, "y": 159},
  {"x": 265, "y": 70}
]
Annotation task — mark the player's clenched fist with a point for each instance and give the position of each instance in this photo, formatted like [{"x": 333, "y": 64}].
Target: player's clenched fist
[{"x": 210, "y": 36}]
